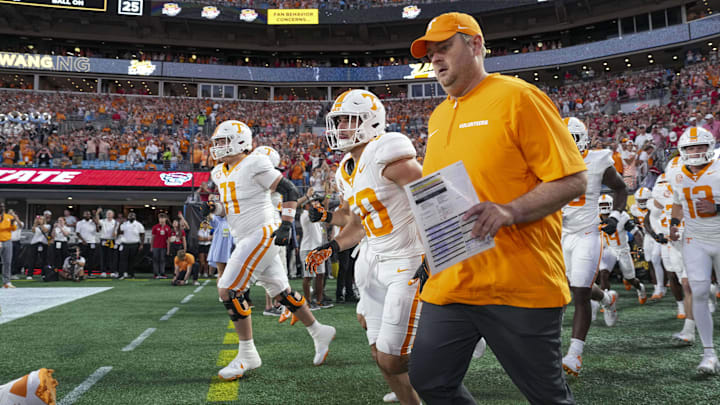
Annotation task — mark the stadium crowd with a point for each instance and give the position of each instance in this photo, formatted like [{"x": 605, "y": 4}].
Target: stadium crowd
[{"x": 91, "y": 130}]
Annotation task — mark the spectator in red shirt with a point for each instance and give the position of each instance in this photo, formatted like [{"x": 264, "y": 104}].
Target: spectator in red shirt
[{"x": 160, "y": 245}]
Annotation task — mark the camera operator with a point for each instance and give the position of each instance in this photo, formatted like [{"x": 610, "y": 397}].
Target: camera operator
[
  {"x": 184, "y": 265},
  {"x": 74, "y": 266}
]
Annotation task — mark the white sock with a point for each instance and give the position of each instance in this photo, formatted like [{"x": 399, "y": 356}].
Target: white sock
[
  {"x": 709, "y": 352},
  {"x": 681, "y": 307},
  {"x": 689, "y": 326},
  {"x": 314, "y": 329},
  {"x": 576, "y": 347},
  {"x": 247, "y": 348}
]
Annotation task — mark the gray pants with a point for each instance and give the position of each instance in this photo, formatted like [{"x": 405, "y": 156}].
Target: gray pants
[
  {"x": 525, "y": 341},
  {"x": 158, "y": 261},
  {"x": 6, "y": 254}
]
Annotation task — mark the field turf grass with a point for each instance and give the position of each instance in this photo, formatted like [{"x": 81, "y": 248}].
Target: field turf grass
[{"x": 634, "y": 362}]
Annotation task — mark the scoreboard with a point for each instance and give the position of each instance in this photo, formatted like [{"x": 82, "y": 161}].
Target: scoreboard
[{"x": 82, "y": 5}]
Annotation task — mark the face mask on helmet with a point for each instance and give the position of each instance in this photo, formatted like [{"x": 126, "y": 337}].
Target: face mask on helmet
[
  {"x": 605, "y": 208},
  {"x": 696, "y": 137},
  {"x": 357, "y": 117},
  {"x": 230, "y": 138}
]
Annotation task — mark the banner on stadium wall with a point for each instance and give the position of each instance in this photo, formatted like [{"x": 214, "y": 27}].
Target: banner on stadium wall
[
  {"x": 106, "y": 178},
  {"x": 292, "y": 16},
  {"x": 75, "y": 64}
]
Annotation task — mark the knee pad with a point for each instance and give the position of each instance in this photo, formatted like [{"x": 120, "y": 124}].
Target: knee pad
[
  {"x": 237, "y": 306},
  {"x": 291, "y": 301}
]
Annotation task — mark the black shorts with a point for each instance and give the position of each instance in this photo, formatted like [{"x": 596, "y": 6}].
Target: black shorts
[{"x": 203, "y": 249}]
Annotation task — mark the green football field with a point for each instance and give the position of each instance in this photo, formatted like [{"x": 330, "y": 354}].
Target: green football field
[{"x": 633, "y": 362}]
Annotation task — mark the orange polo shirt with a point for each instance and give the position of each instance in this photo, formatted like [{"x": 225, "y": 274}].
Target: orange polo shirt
[
  {"x": 185, "y": 264},
  {"x": 511, "y": 138},
  {"x": 6, "y": 228}
]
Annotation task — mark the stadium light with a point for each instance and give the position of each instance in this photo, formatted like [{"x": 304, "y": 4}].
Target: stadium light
[
  {"x": 147, "y": 205},
  {"x": 604, "y": 63},
  {"x": 154, "y": 199},
  {"x": 649, "y": 56},
  {"x": 70, "y": 206},
  {"x": 69, "y": 198},
  {"x": 675, "y": 57},
  {"x": 627, "y": 60},
  {"x": 709, "y": 43},
  {"x": 555, "y": 76},
  {"x": 628, "y": 65},
  {"x": 536, "y": 73},
  {"x": 247, "y": 59},
  {"x": 31, "y": 47},
  {"x": 607, "y": 68},
  {"x": 651, "y": 61}
]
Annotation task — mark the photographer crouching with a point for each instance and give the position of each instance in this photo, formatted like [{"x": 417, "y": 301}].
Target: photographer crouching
[
  {"x": 74, "y": 266},
  {"x": 184, "y": 267}
]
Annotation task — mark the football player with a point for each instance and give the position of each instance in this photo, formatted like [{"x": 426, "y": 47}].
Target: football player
[
  {"x": 374, "y": 172},
  {"x": 654, "y": 227},
  {"x": 245, "y": 182},
  {"x": 657, "y": 225},
  {"x": 582, "y": 243},
  {"x": 617, "y": 250},
  {"x": 696, "y": 197},
  {"x": 270, "y": 308}
]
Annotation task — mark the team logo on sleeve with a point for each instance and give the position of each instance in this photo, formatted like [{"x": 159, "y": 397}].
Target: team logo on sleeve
[
  {"x": 175, "y": 178},
  {"x": 411, "y": 12},
  {"x": 248, "y": 15},
  {"x": 171, "y": 9},
  {"x": 210, "y": 12}
]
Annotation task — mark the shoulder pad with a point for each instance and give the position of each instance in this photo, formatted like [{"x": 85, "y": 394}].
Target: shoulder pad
[{"x": 393, "y": 146}]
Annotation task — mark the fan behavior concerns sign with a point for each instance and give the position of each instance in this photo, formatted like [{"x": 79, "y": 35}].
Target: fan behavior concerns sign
[{"x": 292, "y": 16}]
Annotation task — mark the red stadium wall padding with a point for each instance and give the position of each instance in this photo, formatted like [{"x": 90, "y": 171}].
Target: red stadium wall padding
[{"x": 119, "y": 178}]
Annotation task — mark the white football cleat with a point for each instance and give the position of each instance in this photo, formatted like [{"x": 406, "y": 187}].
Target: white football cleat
[
  {"x": 709, "y": 365},
  {"x": 36, "y": 388},
  {"x": 572, "y": 364},
  {"x": 322, "y": 344},
  {"x": 479, "y": 348},
  {"x": 391, "y": 397},
  {"x": 594, "y": 306},
  {"x": 642, "y": 295},
  {"x": 684, "y": 338},
  {"x": 610, "y": 313},
  {"x": 238, "y": 367}
]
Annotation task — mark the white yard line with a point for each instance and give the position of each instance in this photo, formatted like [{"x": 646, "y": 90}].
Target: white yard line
[
  {"x": 170, "y": 313},
  {"x": 197, "y": 290},
  {"x": 205, "y": 283},
  {"x": 187, "y": 299},
  {"x": 75, "y": 394},
  {"x": 135, "y": 343}
]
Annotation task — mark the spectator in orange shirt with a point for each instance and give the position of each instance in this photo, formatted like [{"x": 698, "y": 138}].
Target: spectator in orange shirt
[
  {"x": 184, "y": 266},
  {"x": 8, "y": 156},
  {"x": 297, "y": 174}
]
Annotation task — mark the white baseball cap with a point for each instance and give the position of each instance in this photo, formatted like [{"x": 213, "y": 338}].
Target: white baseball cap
[{"x": 709, "y": 117}]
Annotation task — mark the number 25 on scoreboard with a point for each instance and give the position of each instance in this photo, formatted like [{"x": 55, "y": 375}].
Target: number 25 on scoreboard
[{"x": 130, "y": 7}]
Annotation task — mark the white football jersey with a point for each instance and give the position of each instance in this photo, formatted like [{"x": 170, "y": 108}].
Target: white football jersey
[
  {"x": 245, "y": 191},
  {"x": 619, "y": 239},
  {"x": 382, "y": 204},
  {"x": 705, "y": 185},
  {"x": 639, "y": 213},
  {"x": 583, "y": 213},
  {"x": 342, "y": 177},
  {"x": 660, "y": 217}
]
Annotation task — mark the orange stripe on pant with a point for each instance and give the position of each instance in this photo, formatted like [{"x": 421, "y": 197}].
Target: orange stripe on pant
[
  {"x": 241, "y": 274},
  {"x": 257, "y": 260},
  {"x": 414, "y": 315}
]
